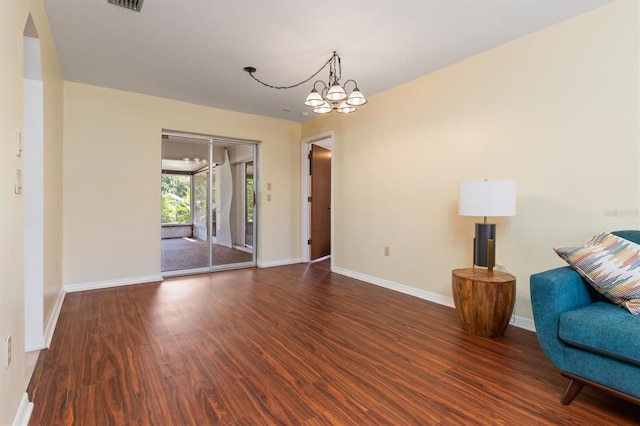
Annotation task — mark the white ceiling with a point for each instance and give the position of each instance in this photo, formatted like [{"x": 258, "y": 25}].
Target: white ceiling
[
  {"x": 184, "y": 154},
  {"x": 195, "y": 50}
]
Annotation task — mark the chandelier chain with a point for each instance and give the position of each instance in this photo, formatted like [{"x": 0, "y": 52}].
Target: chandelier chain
[
  {"x": 331, "y": 70},
  {"x": 335, "y": 73}
]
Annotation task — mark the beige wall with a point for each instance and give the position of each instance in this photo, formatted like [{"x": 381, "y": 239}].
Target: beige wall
[
  {"x": 13, "y": 17},
  {"x": 556, "y": 111},
  {"x": 112, "y": 158}
]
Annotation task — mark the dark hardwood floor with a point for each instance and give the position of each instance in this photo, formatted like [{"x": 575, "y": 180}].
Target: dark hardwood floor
[{"x": 292, "y": 345}]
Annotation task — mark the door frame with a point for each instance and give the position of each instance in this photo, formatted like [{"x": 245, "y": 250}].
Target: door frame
[
  {"x": 325, "y": 140},
  {"x": 35, "y": 226}
]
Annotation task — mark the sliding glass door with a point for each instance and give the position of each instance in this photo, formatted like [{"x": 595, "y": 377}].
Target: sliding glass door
[
  {"x": 232, "y": 239},
  {"x": 208, "y": 204},
  {"x": 184, "y": 195}
]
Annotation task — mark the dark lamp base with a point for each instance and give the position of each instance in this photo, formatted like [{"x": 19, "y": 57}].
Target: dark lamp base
[{"x": 484, "y": 249}]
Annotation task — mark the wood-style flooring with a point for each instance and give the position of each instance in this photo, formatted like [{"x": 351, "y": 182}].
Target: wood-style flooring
[{"x": 293, "y": 345}]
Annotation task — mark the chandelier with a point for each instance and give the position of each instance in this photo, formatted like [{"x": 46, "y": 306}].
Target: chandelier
[{"x": 332, "y": 96}]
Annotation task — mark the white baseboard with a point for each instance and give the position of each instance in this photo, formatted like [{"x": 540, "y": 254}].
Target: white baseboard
[
  {"x": 44, "y": 342},
  {"x": 31, "y": 345},
  {"x": 53, "y": 319},
  {"x": 70, "y": 288},
  {"x": 524, "y": 323},
  {"x": 520, "y": 322},
  {"x": 422, "y": 294},
  {"x": 272, "y": 263},
  {"x": 24, "y": 412}
]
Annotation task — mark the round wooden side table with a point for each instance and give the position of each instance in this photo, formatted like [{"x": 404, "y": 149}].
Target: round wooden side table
[{"x": 484, "y": 301}]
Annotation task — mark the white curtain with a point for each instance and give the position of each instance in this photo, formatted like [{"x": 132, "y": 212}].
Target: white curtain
[{"x": 224, "y": 200}]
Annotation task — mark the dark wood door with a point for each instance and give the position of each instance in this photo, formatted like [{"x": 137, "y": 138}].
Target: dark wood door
[{"x": 320, "y": 202}]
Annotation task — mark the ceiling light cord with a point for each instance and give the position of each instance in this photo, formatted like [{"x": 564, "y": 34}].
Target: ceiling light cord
[{"x": 252, "y": 70}]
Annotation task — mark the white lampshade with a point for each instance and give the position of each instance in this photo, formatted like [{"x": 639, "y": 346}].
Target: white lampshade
[
  {"x": 323, "y": 109},
  {"x": 314, "y": 99},
  {"x": 356, "y": 98},
  {"x": 336, "y": 93},
  {"x": 345, "y": 108},
  {"x": 487, "y": 198}
]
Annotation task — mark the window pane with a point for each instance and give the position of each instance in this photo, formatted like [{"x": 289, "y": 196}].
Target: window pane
[{"x": 176, "y": 199}]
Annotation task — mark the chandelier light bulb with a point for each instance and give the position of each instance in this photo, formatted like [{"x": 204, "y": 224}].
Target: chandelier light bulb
[
  {"x": 356, "y": 98},
  {"x": 186, "y": 159},
  {"x": 314, "y": 99},
  {"x": 345, "y": 108},
  {"x": 336, "y": 93},
  {"x": 323, "y": 109}
]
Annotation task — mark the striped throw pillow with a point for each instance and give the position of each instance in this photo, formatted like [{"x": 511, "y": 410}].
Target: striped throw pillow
[{"x": 611, "y": 265}]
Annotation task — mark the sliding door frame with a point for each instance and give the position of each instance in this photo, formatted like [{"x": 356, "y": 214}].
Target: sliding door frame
[{"x": 256, "y": 212}]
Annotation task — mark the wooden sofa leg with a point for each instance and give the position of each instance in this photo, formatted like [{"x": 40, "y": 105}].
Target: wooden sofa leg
[
  {"x": 573, "y": 388},
  {"x": 576, "y": 384}
]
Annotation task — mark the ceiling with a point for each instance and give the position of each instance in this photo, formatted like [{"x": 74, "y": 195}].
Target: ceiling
[
  {"x": 184, "y": 154},
  {"x": 195, "y": 50}
]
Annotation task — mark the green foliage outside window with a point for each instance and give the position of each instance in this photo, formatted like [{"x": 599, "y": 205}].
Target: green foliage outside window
[
  {"x": 176, "y": 199},
  {"x": 250, "y": 201}
]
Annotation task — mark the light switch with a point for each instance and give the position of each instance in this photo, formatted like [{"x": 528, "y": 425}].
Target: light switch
[
  {"x": 18, "y": 188},
  {"x": 18, "y": 143},
  {"x": 268, "y": 197},
  {"x": 269, "y": 186}
]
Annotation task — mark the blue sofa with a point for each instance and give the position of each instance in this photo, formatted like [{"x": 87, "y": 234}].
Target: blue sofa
[{"x": 591, "y": 340}]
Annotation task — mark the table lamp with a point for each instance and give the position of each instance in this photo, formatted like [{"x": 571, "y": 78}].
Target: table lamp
[{"x": 486, "y": 198}]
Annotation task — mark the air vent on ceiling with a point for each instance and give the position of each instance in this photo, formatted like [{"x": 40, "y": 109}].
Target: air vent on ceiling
[{"x": 129, "y": 4}]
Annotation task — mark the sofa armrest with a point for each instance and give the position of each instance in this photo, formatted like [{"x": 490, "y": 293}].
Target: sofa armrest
[{"x": 552, "y": 293}]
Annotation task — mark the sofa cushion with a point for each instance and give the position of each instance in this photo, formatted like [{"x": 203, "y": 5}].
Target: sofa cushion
[
  {"x": 611, "y": 265},
  {"x": 603, "y": 328}
]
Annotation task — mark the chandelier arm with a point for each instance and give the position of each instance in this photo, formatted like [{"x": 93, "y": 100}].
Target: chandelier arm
[
  {"x": 324, "y": 86},
  {"x": 293, "y": 85},
  {"x": 350, "y": 80}
]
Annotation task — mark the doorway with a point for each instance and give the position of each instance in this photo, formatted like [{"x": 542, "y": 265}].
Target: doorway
[
  {"x": 207, "y": 204},
  {"x": 33, "y": 183},
  {"x": 317, "y": 198}
]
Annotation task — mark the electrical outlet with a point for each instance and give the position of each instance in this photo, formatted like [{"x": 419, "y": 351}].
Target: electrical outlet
[
  {"x": 7, "y": 351},
  {"x": 387, "y": 250}
]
